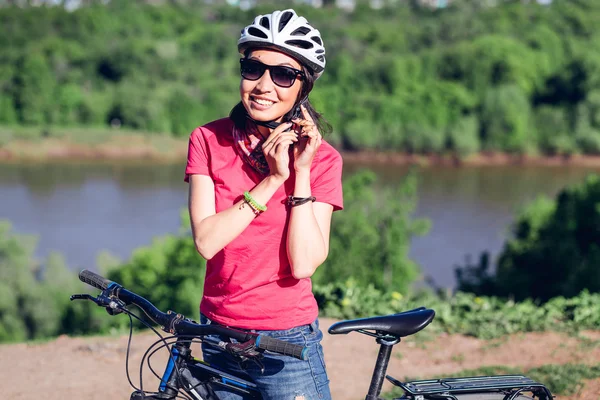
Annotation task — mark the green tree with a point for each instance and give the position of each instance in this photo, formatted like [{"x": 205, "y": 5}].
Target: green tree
[
  {"x": 463, "y": 136},
  {"x": 36, "y": 86},
  {"x": 554, "y": 131},
  {"x": 169, "y": 273},
  {"x": 389, "y": 85},
  {"x": 8, "y": 115},
  {"x": 554, "y": 251},
  {"x": 505, "y": 120},
  {"x": 34, "y": 297},
  {"x": 370, "y": 239}
]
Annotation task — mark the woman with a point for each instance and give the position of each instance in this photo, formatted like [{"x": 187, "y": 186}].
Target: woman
[{"x": 263, "y": 187}]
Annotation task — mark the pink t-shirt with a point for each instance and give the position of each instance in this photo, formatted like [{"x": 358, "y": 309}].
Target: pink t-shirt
[{"x": 249, "y": 284}]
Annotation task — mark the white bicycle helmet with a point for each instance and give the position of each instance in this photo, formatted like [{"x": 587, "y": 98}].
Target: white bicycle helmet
[{"x": 289, "y": 33}]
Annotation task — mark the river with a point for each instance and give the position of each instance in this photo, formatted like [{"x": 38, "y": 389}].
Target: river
[{"x": 80, "y": 210}]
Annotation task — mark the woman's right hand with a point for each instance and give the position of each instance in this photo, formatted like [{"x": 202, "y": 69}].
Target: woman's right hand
[{"x": 276, "y": 150}]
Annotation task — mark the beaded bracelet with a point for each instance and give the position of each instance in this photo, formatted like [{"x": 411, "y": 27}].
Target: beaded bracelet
[
  {"x": 254, "y": 210},
  {"x": 253, "y": 203},
  {"x": 298, "y": 201}
]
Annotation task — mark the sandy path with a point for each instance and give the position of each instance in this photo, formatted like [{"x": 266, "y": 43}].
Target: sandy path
[{"x": 93, "y": 368}]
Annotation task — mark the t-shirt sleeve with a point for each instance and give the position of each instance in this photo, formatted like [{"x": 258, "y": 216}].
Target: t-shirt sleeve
[
  {"x": 197, "y": 159},
  {"x": 327, "y": 186}
]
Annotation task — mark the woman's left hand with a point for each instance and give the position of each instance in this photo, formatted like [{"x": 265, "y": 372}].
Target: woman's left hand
[{"x": 309, "y": 141}]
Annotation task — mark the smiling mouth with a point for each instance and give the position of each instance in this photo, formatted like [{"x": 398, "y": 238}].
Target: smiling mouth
[{"x": 262, "y": 102}]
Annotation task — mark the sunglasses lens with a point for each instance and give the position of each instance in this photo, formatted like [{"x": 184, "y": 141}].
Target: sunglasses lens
[
  {"x": 252, "y": 70},
  {"x": 282, "y": 76}
]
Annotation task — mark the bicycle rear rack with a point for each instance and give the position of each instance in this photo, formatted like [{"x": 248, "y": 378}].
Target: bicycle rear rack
[{"x": 513, "y": 385}]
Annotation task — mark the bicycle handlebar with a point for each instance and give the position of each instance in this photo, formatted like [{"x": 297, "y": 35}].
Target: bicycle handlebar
[
  {"x": 94, "y": 280},
  {"x": 178, "y": 324}
]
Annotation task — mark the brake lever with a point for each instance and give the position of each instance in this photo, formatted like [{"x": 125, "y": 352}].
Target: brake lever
[
  {"x": 246, "y": 351},
  {"x": 113, "y": 306},
  {"x": 82, "y": 297},
  {"x": 102, "y": 301},
  {"x": 259, "y": 363}
]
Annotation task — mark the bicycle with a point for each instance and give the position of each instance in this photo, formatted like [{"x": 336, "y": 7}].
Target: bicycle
[{"x": 189, "y": 378}]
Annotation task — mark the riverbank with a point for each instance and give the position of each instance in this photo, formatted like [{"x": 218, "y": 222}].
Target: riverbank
[{"x": 159, "y": 148}]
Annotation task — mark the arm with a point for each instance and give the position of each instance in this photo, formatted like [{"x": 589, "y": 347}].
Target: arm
[
  {"x": 310, "y": 223},
  {"x": 212, "y": 231},
  {"x": 308, "y": 231}
]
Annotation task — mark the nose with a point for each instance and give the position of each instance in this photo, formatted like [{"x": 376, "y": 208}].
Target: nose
[{"x": 265, "y": 83}]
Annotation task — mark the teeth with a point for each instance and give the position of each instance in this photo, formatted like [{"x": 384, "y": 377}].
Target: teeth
[{"x": 263, "y": 102}]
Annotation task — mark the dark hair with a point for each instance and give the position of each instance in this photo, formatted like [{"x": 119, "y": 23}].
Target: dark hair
[{"x": 239, "y": 114}]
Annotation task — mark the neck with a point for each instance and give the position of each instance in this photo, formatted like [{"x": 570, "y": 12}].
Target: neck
[{"x": 263, "y": 131}]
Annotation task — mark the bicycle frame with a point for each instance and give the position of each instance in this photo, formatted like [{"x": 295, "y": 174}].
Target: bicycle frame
[
  {"x": 202, "y": 374},
  {"x": 183, "y": 368}
]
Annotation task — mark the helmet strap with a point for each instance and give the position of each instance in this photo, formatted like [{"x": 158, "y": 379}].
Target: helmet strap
[{"x": 274, "y": 124}]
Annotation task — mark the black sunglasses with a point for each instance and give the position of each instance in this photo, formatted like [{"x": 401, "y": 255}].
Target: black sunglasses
[{"x": 282, "y": 76}]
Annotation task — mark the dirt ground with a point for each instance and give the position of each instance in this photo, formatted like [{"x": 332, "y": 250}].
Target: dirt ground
[{"x": 94, "y": 368}]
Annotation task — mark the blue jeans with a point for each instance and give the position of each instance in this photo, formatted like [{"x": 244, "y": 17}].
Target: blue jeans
[{"x": 284, "y": 377}]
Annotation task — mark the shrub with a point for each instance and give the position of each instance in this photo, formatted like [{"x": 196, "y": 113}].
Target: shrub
[{"x": 555, "y": 250}]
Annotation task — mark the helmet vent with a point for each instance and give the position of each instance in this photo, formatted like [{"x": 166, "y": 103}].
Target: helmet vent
[
  {"x": 285, "y": 18},
  {"x": 318, "y": 40},
  {"x": 264, "y": 22},
  {"x": 257, "y": 32},
  {"x": 320, "y": 51},
  {"x": 303, "y": 44},
  {"x": 301, "y": 31},
  {"x": 321, "y": 58}
]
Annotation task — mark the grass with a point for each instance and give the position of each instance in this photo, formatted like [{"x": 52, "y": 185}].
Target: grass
[
  {"x": 86, "y": 142},
  {"x": 83, "y": 133}
]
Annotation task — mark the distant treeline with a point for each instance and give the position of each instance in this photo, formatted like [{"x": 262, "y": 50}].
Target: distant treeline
[{"x": 514, "y": 77}]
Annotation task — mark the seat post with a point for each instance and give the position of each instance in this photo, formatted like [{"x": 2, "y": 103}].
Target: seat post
[{"x": 383, "y": 358}]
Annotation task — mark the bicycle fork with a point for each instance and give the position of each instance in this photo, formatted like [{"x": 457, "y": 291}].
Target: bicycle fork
[
  {"x": 176, "y": 374},
  {"x": 194, "y": 377}
]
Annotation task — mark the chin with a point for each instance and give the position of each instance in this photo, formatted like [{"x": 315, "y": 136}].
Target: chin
[{"x": 263, "y": 117}]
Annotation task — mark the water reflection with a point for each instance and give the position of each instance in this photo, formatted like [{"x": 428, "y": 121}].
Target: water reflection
[
  {"x": 81, "y": 209},
  {"x": 42, "y": 177}
]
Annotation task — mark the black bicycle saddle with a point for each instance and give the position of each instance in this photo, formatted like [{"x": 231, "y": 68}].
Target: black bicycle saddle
[{"x": 398, "y": 325}]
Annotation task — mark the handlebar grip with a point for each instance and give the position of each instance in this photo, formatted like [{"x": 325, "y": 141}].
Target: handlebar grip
[
  {"x": 282, "y": 347},
  {"x": 94, "y": 279}
]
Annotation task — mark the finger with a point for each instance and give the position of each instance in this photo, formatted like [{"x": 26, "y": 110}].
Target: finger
[
  {"x": 310, "y": 129},
  {"x": 268, "y": 145},
  {"x": 282, "y": 140},
  {"x": 273, "y": 148},
  {"x": 277, "y": 131},
  {"x": 293, "y": 136},
  {"x": 281, "y": 134},
  {"x": 303, "y": 126},
  {"x": 281, "y": 149},
  {"x": 310, "y": 134},
  {"x": 300, "y": 121},
  {"x": 283, "y": 143},
  {"x": 306, "y": 114},
  {"x": 306, "y": 127},
  {"x": 283, "y": 127},
  {"x": 315, "y": 142}
]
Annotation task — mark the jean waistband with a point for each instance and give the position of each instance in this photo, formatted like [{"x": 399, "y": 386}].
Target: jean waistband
[{"x": 313, "y": 326}]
